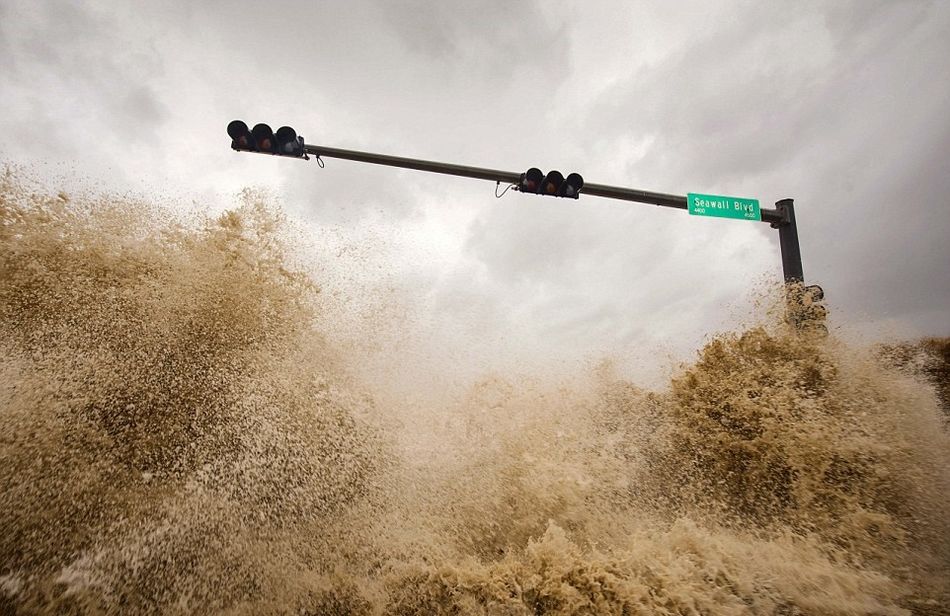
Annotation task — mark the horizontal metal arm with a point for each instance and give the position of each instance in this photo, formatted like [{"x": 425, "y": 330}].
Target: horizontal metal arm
[
  {"x": 414, "y": 163},
  {"x": 480, "y": 173},
  {"x": 630, "y": 194}
]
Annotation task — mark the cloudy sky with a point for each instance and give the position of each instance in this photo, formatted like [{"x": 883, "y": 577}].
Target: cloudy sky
[{"x": 842, "y": 105}]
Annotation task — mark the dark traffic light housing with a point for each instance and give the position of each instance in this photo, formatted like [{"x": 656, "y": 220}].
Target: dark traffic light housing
[
  {"x": 240, "y": 136},
  {"x": 531, "y": 180},
  {"x": 806, "y": 307},
  {"x": 812, "y": 298},
  {"x": 288, "y": 144},
  {"x": 571, "y": 187},
  {"x": 262, "y": 139},
  {"x": 553, "y": 184}
]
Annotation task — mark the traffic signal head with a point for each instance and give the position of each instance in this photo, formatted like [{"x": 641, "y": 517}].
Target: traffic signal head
[
  {"x": 552, "y": 181},
  {"x": 554, "y": 184},
  {"x": 806, "y": 309},
  {"x": 285, "y": 142},
  {"x": 240, "y": 136},
  {"x": 531, "y": 181},
  {"x": 812, "y": 296},
  {"x": 264, "y": 138},
  {"x": 571, "y": 187},
  {"x": 813, "y": 293}
]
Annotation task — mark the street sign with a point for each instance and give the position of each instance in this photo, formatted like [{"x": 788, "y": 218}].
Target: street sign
[{"x": 723, "y": 207}]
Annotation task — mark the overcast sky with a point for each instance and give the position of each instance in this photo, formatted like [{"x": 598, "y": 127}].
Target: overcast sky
[{"x": 842, "y": 105}]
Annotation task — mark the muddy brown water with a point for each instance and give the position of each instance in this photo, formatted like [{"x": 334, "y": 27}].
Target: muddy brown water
[{"x": 178, "y": 436}]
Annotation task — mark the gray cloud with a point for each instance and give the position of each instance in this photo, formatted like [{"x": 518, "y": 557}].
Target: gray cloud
[
  {"x": 499, "y": 40},
  {"x": 77, "y": 84},
  {"x": 830, "y": 106}
]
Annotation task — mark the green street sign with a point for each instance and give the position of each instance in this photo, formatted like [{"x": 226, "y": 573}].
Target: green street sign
[{"x": 723, "y": 207}]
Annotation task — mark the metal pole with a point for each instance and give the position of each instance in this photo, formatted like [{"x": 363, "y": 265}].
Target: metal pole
[
  {"x": 415, "y": 163},
  {"x": 788, "y": 241},
  {"x": 511, "y": 177}
]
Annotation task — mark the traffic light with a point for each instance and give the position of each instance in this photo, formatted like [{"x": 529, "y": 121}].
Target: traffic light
[
  {"x": 552, "y": 181},
  {"x": 288, "y": 144},
  {"x": 240, "y": 136},
  {"x": 261, "y": 138},
  {"x": 812, "y": 305},
  {"x": 531, "y": 180},
  {"x": 553, "y": 184},
  {"x": 571, "y": 187},
  {"x": 806, "y": 307},
  {"x": 264, "y": 138}
]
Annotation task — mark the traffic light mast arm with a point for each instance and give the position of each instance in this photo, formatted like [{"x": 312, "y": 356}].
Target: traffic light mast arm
[
  {"x": 415, "y": 163},
  {"x": 495, "y": 175},
  {"x": 640, "y": 196}
]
